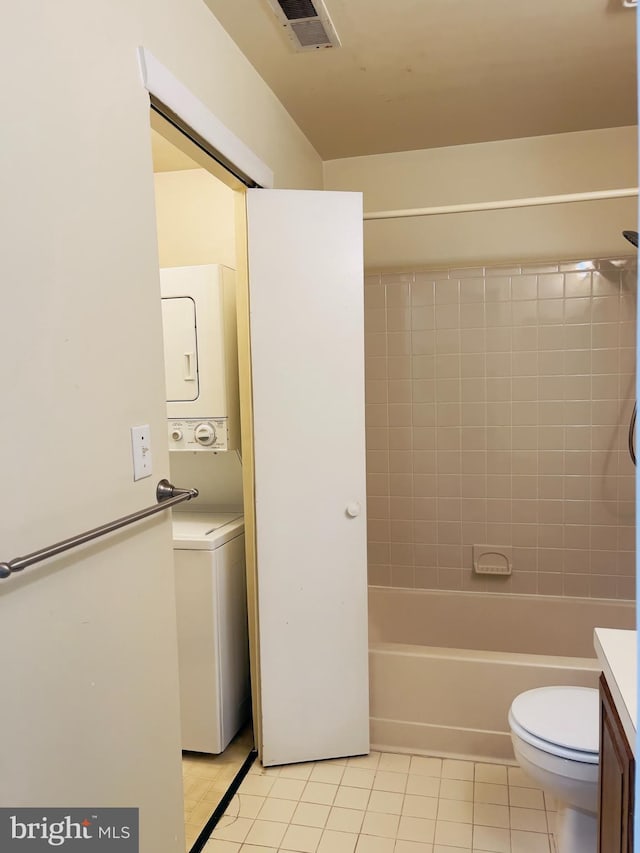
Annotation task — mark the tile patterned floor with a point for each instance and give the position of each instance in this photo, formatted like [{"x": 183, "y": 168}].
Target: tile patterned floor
[
  {"x": 386, "y": 803},
  {"x": 206, "y": 779}
]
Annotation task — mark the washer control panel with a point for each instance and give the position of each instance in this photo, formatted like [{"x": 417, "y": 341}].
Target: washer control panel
[{"x": 198, "y": 434}]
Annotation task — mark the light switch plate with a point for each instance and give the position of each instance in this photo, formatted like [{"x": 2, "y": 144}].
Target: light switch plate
[{"x": 141, "y": 449}]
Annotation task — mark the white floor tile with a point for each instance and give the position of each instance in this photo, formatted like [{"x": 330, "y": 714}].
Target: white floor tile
[
  {"x": 255, "y": 848},
  {"x": 455, "y": 810},
  {"x": 453, "y": 834},
  {"x": 424, "y": 786},
  {"x": 415, "y": 806},
  {"x": 529, "y": 842},
  {"x": 413, "y": 847},
  {"x": 384, "y": 825},
  {"x": 358, "y": 777},
  {"x": 526, "y": 798},
  {"x": 302, "y": 839},
  {"x": 257, "y": 769},
  {"x": 491, "y": 839},
  {"x": 494, "y": 773},
  {"x": 233, "y": 809},
  {"x": 530, "y": 820},
  {"x": 345, "y": 820},
  {"x": 453, "y": 789},
  {"x": 367, "y": 762},
  {"x": 319, "y": 792},
  {"x": 331, "y": 773},
  {"x": 257, "y": 785},
  {"x": 279, "y": 810},
  {"x": 423, "y": 766},
  {"x": 453, "y": 769},
  {"x": 266, "y": 833},
  {"x": 235, "y": 831},
  {"x": 390, "y": 781},
  {"x": 371, "y": 844},
  {"x": 297, "y": 771},
  {"x": 287, "y": 789},
  {"x": 310, "y": 814},
  {"x": 486, "y": 814},
  {"x": 215, "y": 845},
  {"x": 337, "y": 842},
  {"x": 416, "y": 829},
  {"x": 352, "y": 798},
  {"x": 386, "y": 802},
  {"x": 249, "y": 805},
  {"x": 393, "y": 761},
  {"x": 484, "y": 792}
]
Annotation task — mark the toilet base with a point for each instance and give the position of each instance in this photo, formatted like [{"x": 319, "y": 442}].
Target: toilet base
[{"x": 576, "y": 830}]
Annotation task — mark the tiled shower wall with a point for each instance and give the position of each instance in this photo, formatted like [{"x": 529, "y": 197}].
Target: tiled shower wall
[{"x": 498, "y": 402}]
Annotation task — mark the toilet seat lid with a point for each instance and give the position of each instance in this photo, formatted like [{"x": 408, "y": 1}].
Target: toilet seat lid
[{"x": 565, "y": 716}]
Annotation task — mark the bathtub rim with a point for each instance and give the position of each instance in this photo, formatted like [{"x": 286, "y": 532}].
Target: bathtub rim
[{"x": 469, "y": 593}]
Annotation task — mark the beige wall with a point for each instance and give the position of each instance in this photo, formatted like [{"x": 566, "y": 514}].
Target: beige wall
[
  {"x": 498, "y": 401},
  {"x": 90, "y": 700},
  {"x": 195, "y": 219},
  {"x": 513, "y": 168}
]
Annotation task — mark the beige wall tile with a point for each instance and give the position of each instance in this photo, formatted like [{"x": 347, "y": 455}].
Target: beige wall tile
[
  {"x": 496, "y": 403},
  {"x": 397, "y": 295},
  {"x": 422, "y": 292},
  {"x": 401, "y": 508},
  {"x": 374, "y": 296},
  {"x": 550, "y": 286}
]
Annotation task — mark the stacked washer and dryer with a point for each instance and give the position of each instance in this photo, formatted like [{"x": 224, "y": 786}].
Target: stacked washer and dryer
[{"x": 201, "y": 372}]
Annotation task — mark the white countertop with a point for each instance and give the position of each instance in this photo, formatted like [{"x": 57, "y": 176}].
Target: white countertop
[{"x": 617, "y": 654}]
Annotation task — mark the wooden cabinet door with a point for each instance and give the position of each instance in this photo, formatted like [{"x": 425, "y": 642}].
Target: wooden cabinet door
[{"x": 615, "y": 820}]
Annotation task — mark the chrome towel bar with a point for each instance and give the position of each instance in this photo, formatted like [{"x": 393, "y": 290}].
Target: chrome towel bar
[{"x": 167, "y": 496}]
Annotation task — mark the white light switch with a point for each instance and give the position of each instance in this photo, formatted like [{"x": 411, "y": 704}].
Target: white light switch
[{"x": 141, "y": 447}]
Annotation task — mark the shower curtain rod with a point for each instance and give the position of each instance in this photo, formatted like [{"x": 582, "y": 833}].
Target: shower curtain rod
[{"x": 501, "y": 205}]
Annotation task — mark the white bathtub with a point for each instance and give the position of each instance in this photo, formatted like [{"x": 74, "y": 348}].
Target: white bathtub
[{"x": 445, "y": 666}]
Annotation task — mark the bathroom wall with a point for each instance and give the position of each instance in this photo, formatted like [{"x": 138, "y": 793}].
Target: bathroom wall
[
  {"x": 195, "y": 219},
  {"x": 89, "y": 679},
  {"x": 498, "y": 400},
  {"x": 506, "y": 169}
]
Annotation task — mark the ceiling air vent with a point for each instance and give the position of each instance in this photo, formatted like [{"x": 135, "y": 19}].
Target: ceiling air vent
[{"x": 306, "y": 22}]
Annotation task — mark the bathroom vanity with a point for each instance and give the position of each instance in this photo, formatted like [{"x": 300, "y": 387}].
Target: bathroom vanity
[{"x": 616, "y": 651}]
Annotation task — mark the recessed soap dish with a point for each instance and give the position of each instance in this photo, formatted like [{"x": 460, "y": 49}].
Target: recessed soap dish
[{"x": 492, "y": 560}]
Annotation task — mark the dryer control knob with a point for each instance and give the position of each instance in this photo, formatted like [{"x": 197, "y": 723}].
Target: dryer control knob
[
  {"x": 176, "y": 434},
  {"x": 205, "y": 434}
]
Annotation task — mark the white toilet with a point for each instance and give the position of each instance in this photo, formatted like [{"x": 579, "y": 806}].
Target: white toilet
[{"x": 555, "y": 733}]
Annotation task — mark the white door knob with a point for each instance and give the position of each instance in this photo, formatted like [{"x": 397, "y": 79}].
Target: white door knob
[{"x": 353, "y": 509}]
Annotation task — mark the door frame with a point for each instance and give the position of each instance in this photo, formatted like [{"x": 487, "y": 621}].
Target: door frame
[
  {"x": 189, "y": 125},
  {"x": 197, "y": 121}
]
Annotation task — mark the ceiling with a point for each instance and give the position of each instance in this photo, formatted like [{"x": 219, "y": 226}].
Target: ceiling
[{"x": 417, "y": 74}]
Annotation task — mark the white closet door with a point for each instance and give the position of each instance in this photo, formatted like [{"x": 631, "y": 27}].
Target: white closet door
[{"x": 307, "y": 351}]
